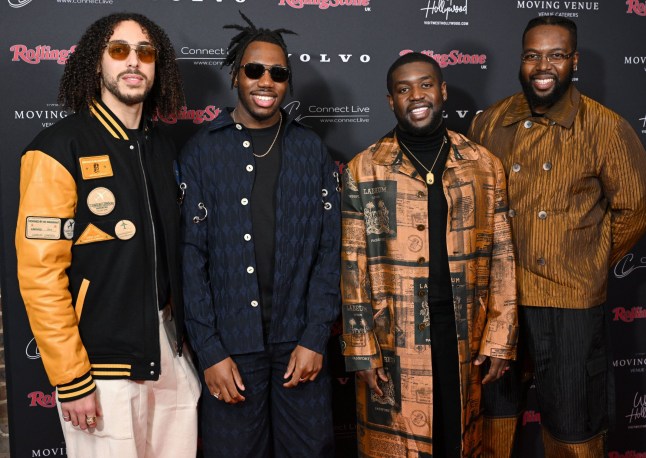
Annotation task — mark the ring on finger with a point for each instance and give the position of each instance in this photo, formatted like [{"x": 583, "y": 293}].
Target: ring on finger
[
  {"x": 216, "y": 395},
  {"x": 302, "y": 379},
  {"x": 66, "y": 417}
]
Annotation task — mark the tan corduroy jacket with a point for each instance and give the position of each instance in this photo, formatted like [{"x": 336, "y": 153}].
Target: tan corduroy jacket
[{"x": 577, "y": 194}]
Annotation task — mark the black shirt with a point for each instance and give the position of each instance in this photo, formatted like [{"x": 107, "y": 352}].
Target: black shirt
[
  {"x": 425, "y": 150},
  {"x": 263, "y": 211}
]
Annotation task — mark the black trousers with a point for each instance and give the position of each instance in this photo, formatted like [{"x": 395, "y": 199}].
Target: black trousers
[
  {"x": 569, "y": 352},
  {"x": 447, "y": 434}
]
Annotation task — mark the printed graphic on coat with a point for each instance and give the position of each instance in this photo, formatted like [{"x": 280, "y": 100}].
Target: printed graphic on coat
[
  {"x": 463, "y": 202},
  {"x": 422, "y": 313},
  {"x": 380, "y": 408},
  {"x": 460, "y": 304},
  {"x": 379, "y": 213}
]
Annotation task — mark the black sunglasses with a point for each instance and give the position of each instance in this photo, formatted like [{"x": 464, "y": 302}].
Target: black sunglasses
[{"x": 255, "y": 71}]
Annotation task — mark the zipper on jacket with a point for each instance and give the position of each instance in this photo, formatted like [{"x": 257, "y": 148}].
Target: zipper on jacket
[{"x": 152, "y": 224}]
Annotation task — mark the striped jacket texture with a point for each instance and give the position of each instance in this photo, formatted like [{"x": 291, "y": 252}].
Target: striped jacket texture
[{"x": 577, "y": 194}]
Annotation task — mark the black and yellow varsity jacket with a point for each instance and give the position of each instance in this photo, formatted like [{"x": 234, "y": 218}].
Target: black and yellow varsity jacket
[{"x": 86, "y": 248}]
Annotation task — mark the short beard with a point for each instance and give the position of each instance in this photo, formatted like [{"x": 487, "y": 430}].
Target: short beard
[
  {"x": 436, "y": 122},
  {"x": 113, "y": 88},
  {"x": 547, "y": 101}
]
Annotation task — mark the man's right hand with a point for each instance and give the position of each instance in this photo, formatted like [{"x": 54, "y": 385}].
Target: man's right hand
[
  {"x": 370, "y": 377},
  {"x": 224, "y": 380},
  {"x": 80, "y": 410}
]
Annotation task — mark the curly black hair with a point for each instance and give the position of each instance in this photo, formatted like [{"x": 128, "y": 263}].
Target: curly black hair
[
  {"x": 238, "y": 45},
  {"x": 81, "y": 83}
]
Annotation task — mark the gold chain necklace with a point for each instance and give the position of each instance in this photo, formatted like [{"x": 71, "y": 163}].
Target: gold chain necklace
[
  {"x": 280, "y": 123},
  {"x": 430, "y": 177}
]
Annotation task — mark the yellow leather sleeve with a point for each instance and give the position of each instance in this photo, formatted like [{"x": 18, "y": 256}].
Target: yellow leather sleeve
[{"x": 48, "y": 191}]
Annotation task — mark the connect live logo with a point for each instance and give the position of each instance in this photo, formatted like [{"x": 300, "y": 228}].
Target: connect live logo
[
  {"x": 18, "y": 3},
  {"x": 636, "y": 7},
  {"x": 325, "y": 4},
  {"x": 330, "y": 113}
]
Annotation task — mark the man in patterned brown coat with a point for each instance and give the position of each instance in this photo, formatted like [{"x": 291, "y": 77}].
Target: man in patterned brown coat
[{"x": 428, "y": 279}]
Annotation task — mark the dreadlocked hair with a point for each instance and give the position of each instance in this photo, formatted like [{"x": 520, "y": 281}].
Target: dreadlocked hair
[
  {"x": 81, "y": 82},
  {"x": 238, "y": 45}
]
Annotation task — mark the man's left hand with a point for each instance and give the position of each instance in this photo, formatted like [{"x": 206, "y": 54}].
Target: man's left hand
[
  {"x": 304, "y": 365},
  {"x": 496, "y": 370}
]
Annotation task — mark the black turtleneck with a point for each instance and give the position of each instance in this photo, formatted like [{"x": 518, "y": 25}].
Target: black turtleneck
[{"x": 425, "y": 150}]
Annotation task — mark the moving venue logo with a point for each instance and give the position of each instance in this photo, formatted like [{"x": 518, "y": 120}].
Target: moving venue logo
[
  {"x": 325, "y": 4},
  {"x": 558, "y": 7},
  {"x": 329, "y": 113},
  {"x": 445, "y": 12},
  {"x": 635, "y": 364},
  {"x": 46, "y": 115},
  {"x": 636, "y": 7},
  {"x": 37, "y": 54},
  {"x": 453, "y": 57},
  {"x": 635, "y": 60}
]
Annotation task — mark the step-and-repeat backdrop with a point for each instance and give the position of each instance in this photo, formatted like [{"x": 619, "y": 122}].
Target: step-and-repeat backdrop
[{"x": 339, "y": 58}]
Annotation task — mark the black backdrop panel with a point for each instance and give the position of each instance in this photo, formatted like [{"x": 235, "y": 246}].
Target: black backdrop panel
[{"x": 339, "y": 58}]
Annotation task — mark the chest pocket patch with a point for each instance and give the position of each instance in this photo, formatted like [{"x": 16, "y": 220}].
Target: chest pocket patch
[{"x": 93, "y": 167}]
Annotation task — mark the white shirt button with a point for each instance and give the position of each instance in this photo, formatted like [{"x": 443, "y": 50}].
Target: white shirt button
[
  {"x": 246, "y": 143},
  {"x": 527, "y": 124},
  {"x": 244, "y": 201},
  {"x": 516, "y": 167},
  {"x": 247, "y": 237},
  {"x": 250, "y": 270},
  {"x": 512, "y": 212},
  {"x": 249, "y": 168},
  {"x": 542, "y": 214},
  {"x": 132, "y": 147},
  {"x": 547, "y": 166},
  {"x": 254, "y": 303},
  {"x": 238, "y": 126}
]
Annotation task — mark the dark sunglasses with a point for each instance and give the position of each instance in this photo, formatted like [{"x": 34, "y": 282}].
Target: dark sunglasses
[
  {"x": 120, "y": 51},
  {"x": 255, "y": 71}
]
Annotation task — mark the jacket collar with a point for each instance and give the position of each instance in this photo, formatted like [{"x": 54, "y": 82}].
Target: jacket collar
[
  {"x": 224, "y": 119},
  {"x": 387, "y": 153},
  {"x": 110, "y": 122},
  {"x": 562, "y": 112}
]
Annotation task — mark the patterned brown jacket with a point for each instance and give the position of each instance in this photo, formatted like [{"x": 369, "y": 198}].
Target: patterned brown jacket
[{"x": 385, "y": 268}]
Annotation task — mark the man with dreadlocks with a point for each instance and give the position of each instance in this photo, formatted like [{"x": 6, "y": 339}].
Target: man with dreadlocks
[
  {"x": 261, "y": 237},
  {"x": 97, "y": 246}
]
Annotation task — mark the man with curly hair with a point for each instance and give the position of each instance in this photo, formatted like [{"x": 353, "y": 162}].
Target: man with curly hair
[
  {"x": 96, "y": 240},
  {"x": 261, "y": 264}
]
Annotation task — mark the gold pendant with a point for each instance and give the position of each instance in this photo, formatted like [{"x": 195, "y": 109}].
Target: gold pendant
[{"x": 430, "y": 178}]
